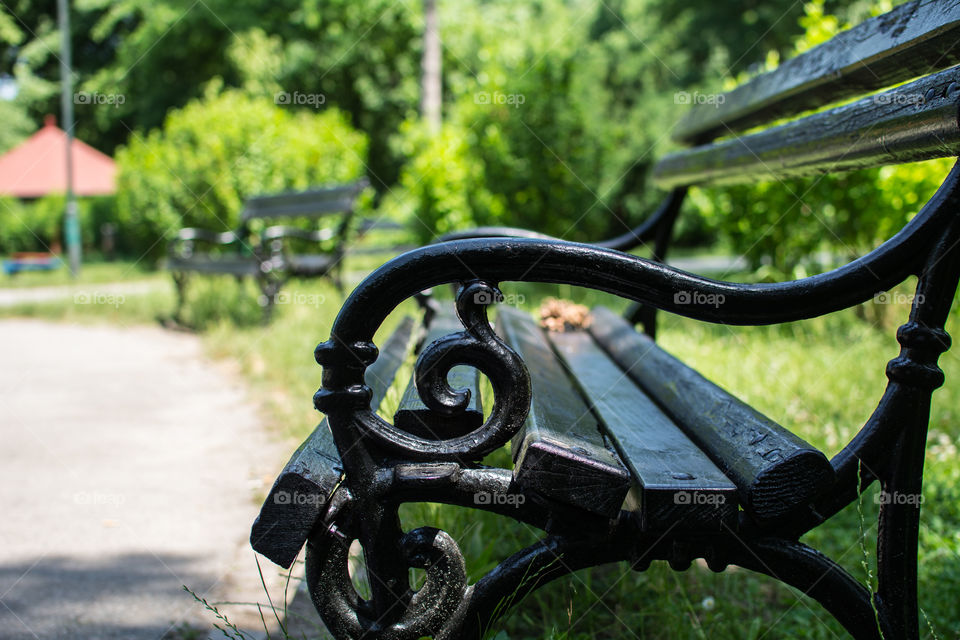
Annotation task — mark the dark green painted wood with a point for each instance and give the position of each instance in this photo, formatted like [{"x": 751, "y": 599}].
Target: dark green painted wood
[
  {"x": 917, "y": 121},
  {"x": 226, "y": 264},
  {"x": 778, "y": 474},
  {"x": 678, "y": 487},
  {"x": 560, "y": 453},
  {"x": 299, "y": 497},
  {"x": 914, "y": 39},
  {"x": 413, "y": 416},
  {"x": 312, "y": 203}
]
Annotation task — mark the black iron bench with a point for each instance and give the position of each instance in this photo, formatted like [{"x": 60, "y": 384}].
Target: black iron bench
[
  {"x": 621, "y": 452},
  {"x": 268, "y": 256}
]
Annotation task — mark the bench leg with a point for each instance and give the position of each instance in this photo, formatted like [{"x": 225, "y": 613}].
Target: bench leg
[
  {"x": 270, "y": 284},
  {"x": 180, "y": 283},
  {"x": 336, "y": 276},
  {"x": 898, "y": 539}
]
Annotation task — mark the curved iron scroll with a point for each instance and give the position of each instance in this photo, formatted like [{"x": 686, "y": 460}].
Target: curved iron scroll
[{"x": 476, "y": 346}]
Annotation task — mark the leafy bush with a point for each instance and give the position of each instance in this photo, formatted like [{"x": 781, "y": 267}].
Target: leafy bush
[
  {"x": 784, "y": 225},
  {"x": 552, "y": 125},
  {"x": 38, "y": 225},
  {"x": 220, "y": 150}
]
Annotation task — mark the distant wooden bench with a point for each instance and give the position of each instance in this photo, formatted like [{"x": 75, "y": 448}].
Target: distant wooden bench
[
  {"x": 30, "y": 261},
  {"x": 268, "y": 257},
  {"x": 621, "y": 452}
]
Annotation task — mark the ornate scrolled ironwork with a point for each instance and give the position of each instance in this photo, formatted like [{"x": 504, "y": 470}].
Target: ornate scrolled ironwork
[
  {"x": 425, "y": 611},
  {"x": 386, "y": 466},
  {"x": 476, "y": 346}
]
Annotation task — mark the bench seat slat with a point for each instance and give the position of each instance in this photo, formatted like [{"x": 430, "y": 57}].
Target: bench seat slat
[
  {"x": 412, "y": 414},
  {"x": 305, "y": 265},
  {"x": 679, "y": 488},
  {"x": 560, "y": 453},
  {"x": 913, "y": 39},
  {"x": 221, "y": 265},
  {"x": 299, "y": 497},
  {"x": 778, "y": 474},
  {"x": 315, "y": 202},
  {"x": 901, "y": 125}
]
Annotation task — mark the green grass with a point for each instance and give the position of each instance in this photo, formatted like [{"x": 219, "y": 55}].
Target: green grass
[{"x": 820, "y": 378}]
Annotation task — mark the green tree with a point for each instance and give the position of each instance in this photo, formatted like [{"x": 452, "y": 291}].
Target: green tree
[{"x": 785, "y": 224}]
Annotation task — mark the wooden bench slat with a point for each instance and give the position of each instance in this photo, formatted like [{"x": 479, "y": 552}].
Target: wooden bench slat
[
  {"x": 679, "y": 488},
  {"x": 314, "y": 202},
  {"x": 307, "y": 265},
  {"x": 560, "y": 453},
  {"x": 299, "y": 497},
  {"x": 222, "y": 265},
  {"x": 413, "y": 416},
  {"x": 914, "y": 39},
  {"x": 901, "y": 125},
  {"x": 778, "y": 474}
]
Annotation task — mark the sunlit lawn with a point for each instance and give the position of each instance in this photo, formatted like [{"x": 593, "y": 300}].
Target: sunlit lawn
[{"x": 821, "y": 379}]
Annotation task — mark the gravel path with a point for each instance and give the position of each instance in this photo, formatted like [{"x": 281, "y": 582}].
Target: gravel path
[
  {"x": 130, "y": 466},
  {"x": 81, "y": 293}
]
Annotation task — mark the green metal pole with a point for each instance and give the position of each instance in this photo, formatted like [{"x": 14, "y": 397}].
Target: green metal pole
[{"x": 71, "y": 229}]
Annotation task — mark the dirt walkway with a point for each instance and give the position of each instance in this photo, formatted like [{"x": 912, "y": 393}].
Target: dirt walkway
[{"x": 129, "y": 466}]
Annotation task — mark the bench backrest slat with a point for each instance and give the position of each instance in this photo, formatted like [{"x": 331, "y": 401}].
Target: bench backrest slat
[
  {"x": 917, "y": 121},
  {"x": 312, "y": 203},
  {"x": 914, "y": 39}
]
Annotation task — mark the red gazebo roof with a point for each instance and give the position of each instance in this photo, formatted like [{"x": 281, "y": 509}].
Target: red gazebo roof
[{"x": 38, "y": 166}]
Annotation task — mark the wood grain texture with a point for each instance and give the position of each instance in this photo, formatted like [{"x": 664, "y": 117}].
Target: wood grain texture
[
  {"x": 299, "y": 497},
  {"x": 413, "y": 416},
  {"x": 917, "y": 121},
  {"x": 560, "y": 453},
  {"x": 914, "y": 39},
  {"x": 777, "y": 473},
  {"x": 678, "y": 487}
]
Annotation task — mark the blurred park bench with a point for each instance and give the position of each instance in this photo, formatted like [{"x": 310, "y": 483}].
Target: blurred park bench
[
  {"x": 30, "y": 261},
  {"x": 278, "y": 252}
]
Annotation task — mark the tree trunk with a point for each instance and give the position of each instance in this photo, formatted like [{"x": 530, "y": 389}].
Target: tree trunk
[{"x": 431, "y": 91}]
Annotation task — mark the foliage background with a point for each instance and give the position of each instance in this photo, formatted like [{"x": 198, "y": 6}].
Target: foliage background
[{"x": 554, "y": 113}]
